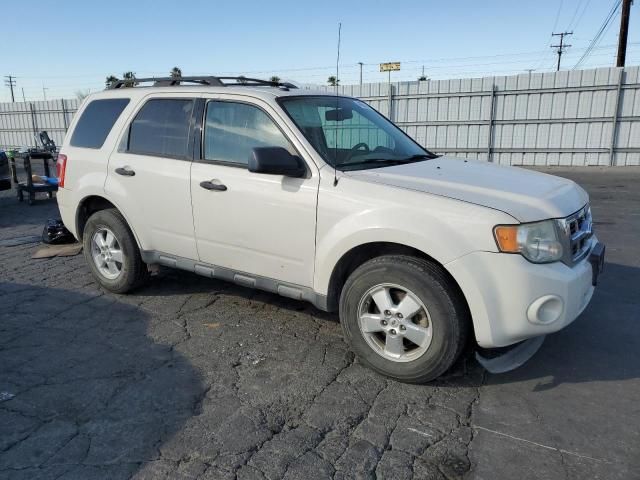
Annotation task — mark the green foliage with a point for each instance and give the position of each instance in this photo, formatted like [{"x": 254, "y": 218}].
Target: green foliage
[{"x": 110, "y": 80}]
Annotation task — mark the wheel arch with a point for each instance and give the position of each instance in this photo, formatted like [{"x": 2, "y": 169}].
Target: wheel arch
[
  {"x": 362, "y": 253},
  {"x": 92, "y": 204}
]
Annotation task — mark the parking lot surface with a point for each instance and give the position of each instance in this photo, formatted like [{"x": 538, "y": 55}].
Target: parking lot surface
[{"x": 195, "y": 378}]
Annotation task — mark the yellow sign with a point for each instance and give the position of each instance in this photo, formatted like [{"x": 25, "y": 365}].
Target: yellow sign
[{"x": 389, "y": 67}]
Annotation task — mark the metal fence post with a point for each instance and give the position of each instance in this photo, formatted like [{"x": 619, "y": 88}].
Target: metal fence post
[
  {"x": 64, "y": 115},
  {"x": 390, "y": 101},
  {"x": 34, "y": 123},
  {"x": 614, "y": 124},
  {"x": 491, "y": 114}
]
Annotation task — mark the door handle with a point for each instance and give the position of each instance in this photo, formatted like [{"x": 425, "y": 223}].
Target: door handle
[
  {"x": 126, "y": 171},
  {"x": 209, "y": 185}
]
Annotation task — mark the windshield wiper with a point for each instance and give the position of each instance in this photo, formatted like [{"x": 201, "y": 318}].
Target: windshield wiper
[
  {"x": 385, "y": 162},
  {"x": 375, "y": 162},
  {"x": 420, "y": 156}
]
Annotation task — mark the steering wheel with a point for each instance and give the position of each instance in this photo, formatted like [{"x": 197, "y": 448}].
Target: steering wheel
[{"x": 356, "y": 148}]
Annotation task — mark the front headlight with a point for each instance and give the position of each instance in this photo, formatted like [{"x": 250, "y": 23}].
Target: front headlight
[{"x": 537, "y": 242}]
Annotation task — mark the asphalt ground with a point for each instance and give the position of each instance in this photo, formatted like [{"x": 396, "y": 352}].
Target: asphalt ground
[{"x": 195, "y": 378}]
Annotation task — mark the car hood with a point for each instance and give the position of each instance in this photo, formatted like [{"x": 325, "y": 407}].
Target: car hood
[{"x": 524, "y": 194}]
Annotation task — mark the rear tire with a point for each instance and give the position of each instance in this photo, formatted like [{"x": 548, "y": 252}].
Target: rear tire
[
  {"x": 112, "y": 253},
  {"x": 414, "y": 341}
]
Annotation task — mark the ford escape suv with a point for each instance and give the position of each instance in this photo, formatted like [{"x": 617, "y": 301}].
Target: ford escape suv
[{"x": 319, "y": 197}]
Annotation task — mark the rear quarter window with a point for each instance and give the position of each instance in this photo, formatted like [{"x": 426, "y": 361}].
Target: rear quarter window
[
  {"x": 161, "y": 128},
  {"x": 96, "y": 122}
]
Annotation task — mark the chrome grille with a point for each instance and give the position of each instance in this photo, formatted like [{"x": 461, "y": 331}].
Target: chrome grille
[{"x": 578, "y": 230}]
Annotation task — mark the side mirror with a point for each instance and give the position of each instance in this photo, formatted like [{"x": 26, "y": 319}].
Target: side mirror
[{"x": 276, "y": 161}]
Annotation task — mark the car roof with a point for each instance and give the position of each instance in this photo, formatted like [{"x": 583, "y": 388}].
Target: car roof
[{"x": 263, "y": 92}]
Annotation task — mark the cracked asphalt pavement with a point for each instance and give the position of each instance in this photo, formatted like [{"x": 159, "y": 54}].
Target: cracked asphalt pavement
[{"x": 195, "y": 378}]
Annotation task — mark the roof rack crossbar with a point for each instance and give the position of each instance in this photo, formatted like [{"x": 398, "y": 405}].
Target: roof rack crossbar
[{"x": 200, "y": 80}]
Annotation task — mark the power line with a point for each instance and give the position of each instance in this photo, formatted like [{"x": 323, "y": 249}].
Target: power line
[
  {"x": 555, "y": 24},
  {"x": 574, "y": 26},
  {"x": 599, "y": 33},
  {"x": 444, "y": 61},
  {"x": 448, "y": 68},
  {"x": 575, "y": 13}
]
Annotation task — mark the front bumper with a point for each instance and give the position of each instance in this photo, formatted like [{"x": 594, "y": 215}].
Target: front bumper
[{"x": 512, "y": 299}]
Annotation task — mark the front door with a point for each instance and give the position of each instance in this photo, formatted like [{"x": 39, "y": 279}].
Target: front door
[{"x": 254, "y": 223}]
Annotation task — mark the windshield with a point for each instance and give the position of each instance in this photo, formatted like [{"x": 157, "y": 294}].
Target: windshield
[{"x": 350, "y": 135}]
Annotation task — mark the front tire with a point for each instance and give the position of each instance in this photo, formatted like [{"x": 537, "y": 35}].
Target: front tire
[
  {"x": 112, "y": 253},
  {"x": 404, "y": 317}
]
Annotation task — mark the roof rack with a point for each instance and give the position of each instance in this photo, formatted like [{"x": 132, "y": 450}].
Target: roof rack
[{"x": 204, "y": 80}]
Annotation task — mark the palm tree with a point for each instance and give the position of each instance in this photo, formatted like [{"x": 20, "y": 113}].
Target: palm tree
[
  {"x": 82, "y": 94},
  {"x": 110, "y": 80},
  {"x": 175, "y": 73},
  {"x": 130, "y": 79},
  {"x": 275, "y": 79},
  {"x": 333, "y": 81}
]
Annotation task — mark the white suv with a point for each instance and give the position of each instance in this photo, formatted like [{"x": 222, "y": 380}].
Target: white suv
[{"x": 319, "y": 197}]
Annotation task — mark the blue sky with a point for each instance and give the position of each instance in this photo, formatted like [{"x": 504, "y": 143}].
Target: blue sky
[{"x": 87, "y": 40}]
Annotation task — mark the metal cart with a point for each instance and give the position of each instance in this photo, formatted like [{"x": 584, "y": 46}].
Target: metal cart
[{"x": 27, "y": 186}]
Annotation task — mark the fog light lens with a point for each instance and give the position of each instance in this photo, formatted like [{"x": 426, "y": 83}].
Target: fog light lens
[{"x": 545, "y": 310}]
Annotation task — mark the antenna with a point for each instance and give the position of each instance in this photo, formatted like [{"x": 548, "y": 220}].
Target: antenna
[{"x": 335, "y": 150}]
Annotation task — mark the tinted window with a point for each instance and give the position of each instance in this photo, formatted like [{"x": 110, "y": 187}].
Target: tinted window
[
  {"x": 96, "y": 122},
  {"x": 161, "y": 127},
  {"x": 232, "y": 130}
]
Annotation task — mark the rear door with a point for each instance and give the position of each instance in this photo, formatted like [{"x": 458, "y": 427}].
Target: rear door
[
  {"x": 260, "y": 224},
  {"x": 149, "y": 174}
]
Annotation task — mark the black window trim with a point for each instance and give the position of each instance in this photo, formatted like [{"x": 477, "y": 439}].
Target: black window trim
[
  {"x": 128, "y": 99},
  {"x": 188, "y": 157},
  {"x": 201, "y": 119}
]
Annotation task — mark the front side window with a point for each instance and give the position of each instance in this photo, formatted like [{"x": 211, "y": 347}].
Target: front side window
[
  {"x": 96, "y": 122},
  {"x": 161, "y": 127},
  {"x": 233, "y": 129},
  {"x": 351, "y": 135}
]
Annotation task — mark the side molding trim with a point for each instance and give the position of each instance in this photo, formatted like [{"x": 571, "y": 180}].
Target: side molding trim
[{"x": 244, "y": 279}]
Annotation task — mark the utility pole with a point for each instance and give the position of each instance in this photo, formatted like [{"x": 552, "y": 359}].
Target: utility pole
[
  {"x": 624, "y": 31},
  {"x": 561, "y": 48},
  {"x": 10, "y": 82},
  {"x": 44, "y": 92},
  {"x": 360, "y": 63},
  {"x": 23, "y": 97}
]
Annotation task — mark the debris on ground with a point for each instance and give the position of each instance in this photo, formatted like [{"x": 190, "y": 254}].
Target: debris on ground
[
  {"x": 58, "y": 251},
  {"x": 4, "y": 396}
]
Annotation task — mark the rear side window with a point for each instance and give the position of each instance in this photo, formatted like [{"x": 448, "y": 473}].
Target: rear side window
[
  {"x": 96, "y": 122},
  {"x": 161, "y": 128}
]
